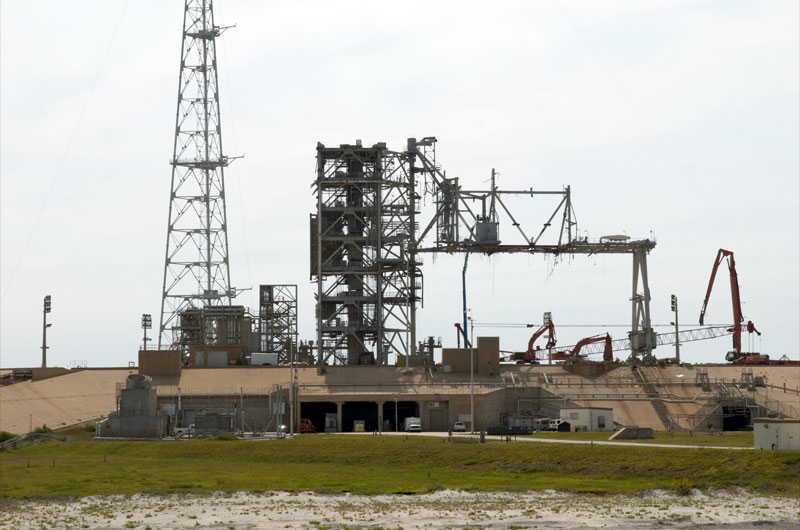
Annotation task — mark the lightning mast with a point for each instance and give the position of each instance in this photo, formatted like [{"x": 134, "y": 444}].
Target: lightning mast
[{"x": 196, "y": 263}]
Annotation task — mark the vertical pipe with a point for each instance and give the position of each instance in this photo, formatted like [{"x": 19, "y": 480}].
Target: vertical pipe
[
  {"x": 472, "y": 379},
  {"x": 634, "y": 304},
  {"x": 464, "y": 293},
  {"x": 412, "y": 247}
]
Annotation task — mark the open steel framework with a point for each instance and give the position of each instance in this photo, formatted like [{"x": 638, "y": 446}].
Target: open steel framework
[
  {"x": 277, "y": 320},
  {"x": 196, "y": 263},
  {"x": 366, "y": 276},
  {"x": 365, "y": 240}
]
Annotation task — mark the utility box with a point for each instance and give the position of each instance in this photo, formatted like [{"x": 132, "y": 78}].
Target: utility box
[
  {"x": 330, "y": 422},
  {"x": 773, "y": 433},
  {"x": 487, "y": 232},
  {"x": 263, "y": 359}
]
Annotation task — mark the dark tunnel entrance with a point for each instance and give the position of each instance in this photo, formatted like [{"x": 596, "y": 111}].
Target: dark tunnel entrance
[
  {"x": 366, "y": 411},
  {"x": 405, "y": 409},
  {"x": 316, "y": 411}
]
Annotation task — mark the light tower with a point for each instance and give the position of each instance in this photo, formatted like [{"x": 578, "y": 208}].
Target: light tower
[{"x": 196, "y": 263}]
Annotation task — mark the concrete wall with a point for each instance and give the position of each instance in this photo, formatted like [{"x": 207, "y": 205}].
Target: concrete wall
[
  {"x": 202, "y": 356},
  {"x": 486, "y": 358},
  {"x": 776, "y": 434},
  {"x": 157, "y": 363},
  {"x": 45, "y": 373}
]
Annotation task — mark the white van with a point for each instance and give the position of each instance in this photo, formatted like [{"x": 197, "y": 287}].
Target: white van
[{"x": 554, "y": 423}]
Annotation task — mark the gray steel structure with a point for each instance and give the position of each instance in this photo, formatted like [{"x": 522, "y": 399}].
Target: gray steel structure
[
  {"x": 218, "y": 325},
  {"x": 196, "y": 263},
  {"x": 366, "y": 273},
  {"x": 365, "y": 240},
  {"x": 277, "y": 320}
]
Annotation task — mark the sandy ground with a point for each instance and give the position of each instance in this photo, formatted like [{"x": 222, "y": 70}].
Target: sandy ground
[{"x": 441, "y": 510}]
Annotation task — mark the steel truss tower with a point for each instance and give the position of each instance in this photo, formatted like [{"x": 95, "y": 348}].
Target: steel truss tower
[
  {"x": 277, "y": 320},
  {"x": 366, "y": 271},
  {"x": 196, "y": 264}
]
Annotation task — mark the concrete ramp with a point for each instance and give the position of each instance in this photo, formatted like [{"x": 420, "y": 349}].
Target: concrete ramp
[
  {"x": 633, "y": 433},
  {"x": 58, "y": 402}
]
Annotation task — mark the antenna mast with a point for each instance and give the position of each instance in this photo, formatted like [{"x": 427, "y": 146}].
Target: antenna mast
[{"x": 196, "y": 263}]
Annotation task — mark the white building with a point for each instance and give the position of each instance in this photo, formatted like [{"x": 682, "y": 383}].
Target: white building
[
  {"x": 588, "y": 418},
  {"x": 769, "y": 433}
]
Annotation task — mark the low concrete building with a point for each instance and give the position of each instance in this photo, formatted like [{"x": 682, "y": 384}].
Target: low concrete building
[
  {"x": 588, "y": 418},
  {"x": 770, "y": 433},
  {"x": 485, "y": 358}
]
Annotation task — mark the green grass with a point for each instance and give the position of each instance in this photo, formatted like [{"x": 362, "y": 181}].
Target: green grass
[
  {"x": 723, "y": 439},
  {"x": 386, "y": 464}
]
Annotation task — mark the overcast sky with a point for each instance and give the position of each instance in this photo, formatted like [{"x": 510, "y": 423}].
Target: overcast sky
[{"x": 679, "y": 118}]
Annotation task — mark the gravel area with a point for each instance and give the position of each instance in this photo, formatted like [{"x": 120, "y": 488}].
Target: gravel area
[{"x": 440, "y": 510}]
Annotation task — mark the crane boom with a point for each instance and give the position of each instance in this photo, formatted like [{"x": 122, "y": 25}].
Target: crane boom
[
  {"x": 662, "y": 339},
  {"x": 735, "y": 297}
]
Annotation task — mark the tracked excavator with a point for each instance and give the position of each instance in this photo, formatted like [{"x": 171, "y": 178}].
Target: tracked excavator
[
  {"x": 574, "y": 355},
  {"x": 736, "y": 356},
  {"x": 529, "y": 356}
]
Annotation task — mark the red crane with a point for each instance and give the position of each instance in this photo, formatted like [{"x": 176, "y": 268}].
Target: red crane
[
  {"x": 529, "y": 356},
  {"x": 575, "y": 353},
  {"x": 735, "y": 300}
]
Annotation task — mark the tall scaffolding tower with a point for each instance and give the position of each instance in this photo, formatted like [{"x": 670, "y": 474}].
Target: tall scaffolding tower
[
  {"x": 196, "y": 262},
  {"x": 366, "y": 271},
  {"x": 277, "y": 320}
]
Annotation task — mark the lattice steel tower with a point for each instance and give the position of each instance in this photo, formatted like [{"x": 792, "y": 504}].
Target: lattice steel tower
[{"x": 196, "y": 265}]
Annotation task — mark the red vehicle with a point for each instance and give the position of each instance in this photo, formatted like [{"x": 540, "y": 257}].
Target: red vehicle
[{"x": 306, "y": 426}]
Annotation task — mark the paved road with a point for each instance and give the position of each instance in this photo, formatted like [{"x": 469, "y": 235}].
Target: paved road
[{"x": 562, "y": 441}]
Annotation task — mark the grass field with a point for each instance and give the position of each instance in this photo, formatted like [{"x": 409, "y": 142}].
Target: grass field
[{"x": 385, "y": 464}]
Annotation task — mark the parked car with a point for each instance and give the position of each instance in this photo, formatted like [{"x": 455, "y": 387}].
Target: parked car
[{"x": 459, "y": 427}]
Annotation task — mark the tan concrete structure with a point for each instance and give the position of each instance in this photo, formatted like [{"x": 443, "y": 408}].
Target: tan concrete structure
[
  {"x": 75, "y": 397},
  {"x": 485, "y": 358},
  {"x": 659, "y": 398},
  {"x": 160, "y": 362}
]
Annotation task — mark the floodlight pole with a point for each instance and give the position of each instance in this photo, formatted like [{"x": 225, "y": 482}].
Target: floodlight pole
[
  {"x": 147, "y": 323},
  {"x": 472, "y": 376},
  {"x": 45, "y": 325},
  {"x": 674, "y": 301}
]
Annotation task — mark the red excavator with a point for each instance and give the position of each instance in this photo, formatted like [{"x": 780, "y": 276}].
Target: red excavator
[
  {"x": 574, "y": 355},
  {"x": 736, "y": 356},
  {"x": 529, "y": 356}
]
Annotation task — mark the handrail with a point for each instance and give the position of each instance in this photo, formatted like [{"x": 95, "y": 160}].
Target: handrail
[{"x": 30, "y": 436}]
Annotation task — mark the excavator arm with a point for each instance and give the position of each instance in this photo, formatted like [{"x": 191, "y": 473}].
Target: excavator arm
[
  {"x": 538, "y": 333},
  {"x": 735, "y": 298},
  {"x": 575, "y": 353}
]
